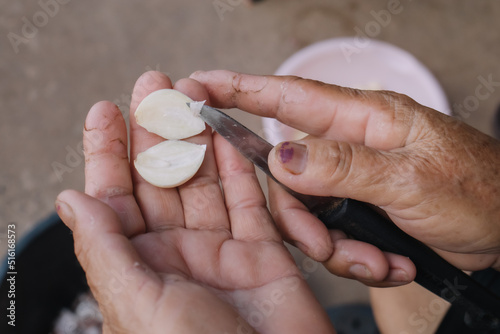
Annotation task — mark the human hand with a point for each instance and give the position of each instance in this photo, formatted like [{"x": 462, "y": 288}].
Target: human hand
[
  {"x": 191, "y": 259},
  {"x": 436, "y": 178}
]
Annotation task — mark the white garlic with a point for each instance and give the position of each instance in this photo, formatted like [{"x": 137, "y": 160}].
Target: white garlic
[
  {"x": 166, "y": 113},
  {"x": 170, "y": 163}
]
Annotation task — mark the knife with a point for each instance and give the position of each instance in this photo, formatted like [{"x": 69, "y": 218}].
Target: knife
[{"x": 361, "y": 222}]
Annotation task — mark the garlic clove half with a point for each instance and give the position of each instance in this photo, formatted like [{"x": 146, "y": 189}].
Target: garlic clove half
[
  {"x": 165, "y": 112},
  {"x": 170, "y": 163}
]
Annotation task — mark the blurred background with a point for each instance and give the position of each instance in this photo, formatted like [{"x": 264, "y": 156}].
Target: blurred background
[{"x": 59, "y": 57}]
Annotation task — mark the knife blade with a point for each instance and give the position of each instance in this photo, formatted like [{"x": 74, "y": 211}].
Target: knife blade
[
  {"x": 254, "y": 148},
  {"x": 361, "y": 222}
]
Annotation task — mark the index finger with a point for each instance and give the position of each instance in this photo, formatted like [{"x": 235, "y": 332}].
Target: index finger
[
  {"x": 380, "y": 120},
  {"x": 160, "y": 207}
]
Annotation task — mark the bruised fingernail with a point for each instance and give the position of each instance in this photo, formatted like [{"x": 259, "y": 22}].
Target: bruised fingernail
[
  {"x": 65, "y": 212},
  {"x": 361, "y": 271},
  {"x": 293, "y": 156}
]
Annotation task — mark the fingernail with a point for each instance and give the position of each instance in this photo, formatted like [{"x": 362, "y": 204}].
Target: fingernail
[
  {"x": 301, "y": 246},
  {"x": 398, "y": 275},
  {"x": 65, "y": 212},
  {"x": 293, "y": 156},
  {"x": 196, "y": 74},
  {"x": 361, "y": 271}
]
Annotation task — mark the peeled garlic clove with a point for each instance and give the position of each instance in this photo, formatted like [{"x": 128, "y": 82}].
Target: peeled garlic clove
[
  {"x": 166, "y": 113},
  {"x": 170, "y": 163}
]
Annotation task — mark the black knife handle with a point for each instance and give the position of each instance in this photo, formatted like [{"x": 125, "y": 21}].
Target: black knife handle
[{"x": 434, "y": 273}]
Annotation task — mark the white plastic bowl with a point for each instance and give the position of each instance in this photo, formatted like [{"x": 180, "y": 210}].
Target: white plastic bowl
[{"x": 363, "y": 64}]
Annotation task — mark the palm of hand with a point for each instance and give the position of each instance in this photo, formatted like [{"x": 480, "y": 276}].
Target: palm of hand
[
  {"x": 213, "y": 258},
  {"x": 203, "y": 271},
  {"x": 192, "y": 258}
]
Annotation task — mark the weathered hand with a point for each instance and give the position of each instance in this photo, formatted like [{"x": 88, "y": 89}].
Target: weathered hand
[
  {"x": 437, "y": 179},
  {"x": 194, "y": 259}
]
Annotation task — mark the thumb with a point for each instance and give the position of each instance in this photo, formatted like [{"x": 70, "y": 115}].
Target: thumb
[
  {"x": 330, "y": 168},
  {"x": 114, "y": 270}
]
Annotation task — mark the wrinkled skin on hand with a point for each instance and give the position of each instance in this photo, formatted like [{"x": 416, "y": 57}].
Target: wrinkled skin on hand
[
  {"x": 192, "y": 259},
  {"x": 437, "y": 178}
]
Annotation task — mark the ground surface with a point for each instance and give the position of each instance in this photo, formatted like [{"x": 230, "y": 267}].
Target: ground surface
[{"x": 57, "y": 59}]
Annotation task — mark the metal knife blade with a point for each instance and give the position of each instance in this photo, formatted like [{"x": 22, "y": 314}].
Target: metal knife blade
[{"x": 254, "y": 148}]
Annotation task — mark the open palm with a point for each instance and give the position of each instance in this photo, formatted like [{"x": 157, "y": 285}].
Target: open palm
[{"x": 203, "y": 257}]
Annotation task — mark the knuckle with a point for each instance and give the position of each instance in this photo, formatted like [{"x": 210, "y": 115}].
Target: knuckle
[
  {"x": 104, "y": 193},
  {"x": 356, "y": 94},
  {"x": 237, "y": 79},
  {"x": 401, "y": 109},
  {"x": 290, "y": 87},
  {"x": 298, "y": 95},
  {"x": 82, "y": 252},
  {"x": 339, "y": 156}
]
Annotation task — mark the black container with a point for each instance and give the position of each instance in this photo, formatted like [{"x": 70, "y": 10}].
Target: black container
[
  {"x": 48, "y": 278},
  {"x": 496, "y": 124}
]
